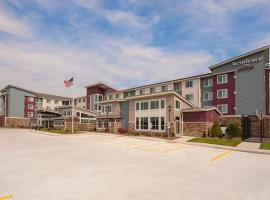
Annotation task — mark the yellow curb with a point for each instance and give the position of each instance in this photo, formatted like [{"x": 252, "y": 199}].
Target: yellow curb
[
  {"x": 221, "y": 155},
  {"x": 6, "y": 197}
]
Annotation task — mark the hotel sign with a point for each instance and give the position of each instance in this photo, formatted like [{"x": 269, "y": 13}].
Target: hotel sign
[{"x": 247, "y": 61}]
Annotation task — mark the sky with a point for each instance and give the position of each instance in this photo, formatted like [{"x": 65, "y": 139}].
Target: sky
[{"x": 123, "y": 43}]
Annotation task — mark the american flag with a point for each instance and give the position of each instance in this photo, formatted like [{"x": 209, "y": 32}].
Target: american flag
[{"x": 69, "y": 82}]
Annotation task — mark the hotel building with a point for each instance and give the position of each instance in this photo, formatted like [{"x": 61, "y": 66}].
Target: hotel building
[{"x": 233, "y": 87}]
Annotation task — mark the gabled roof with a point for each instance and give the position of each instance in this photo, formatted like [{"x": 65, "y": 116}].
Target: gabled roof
[
  {"x": 238, "y": 57},
  {"x": 17, "y": 87},
  {"x": 100, "y": 84},
  {"x": 208, "y": 108}
]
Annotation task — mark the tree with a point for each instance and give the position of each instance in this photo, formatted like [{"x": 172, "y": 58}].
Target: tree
[
  {"x": 233, "y": 130},
  {"x": 216, "y": 130}
]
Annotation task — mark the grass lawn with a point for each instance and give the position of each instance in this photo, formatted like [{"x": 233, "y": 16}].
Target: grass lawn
[
  {"x": 265, "y": 145},
  {"x": 220, "y": 141}
]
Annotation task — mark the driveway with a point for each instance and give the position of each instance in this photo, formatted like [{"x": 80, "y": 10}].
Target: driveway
[{"x": 100, "y": 166}]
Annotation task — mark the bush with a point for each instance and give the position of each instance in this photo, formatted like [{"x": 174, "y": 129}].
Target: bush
[
  {"x": 233, "y": 130},
  {"x": 216, "y": 130},
  {"x": 122, "y": 130}
]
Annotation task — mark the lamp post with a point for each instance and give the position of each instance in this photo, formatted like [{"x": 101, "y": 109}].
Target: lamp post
[{"x": 169, "y": 125}]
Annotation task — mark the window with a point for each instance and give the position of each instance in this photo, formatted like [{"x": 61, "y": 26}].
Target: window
[
  {"x": 48, "y": 101},
  {"x": 207, "y": 82},
  {"x": 162, "y": 104},
  {"x": 154, "y": 105},
  {"x": 30, "y": 114},
  {"x": 137, "y": 123},
  {"x": 144, "y": 123},
  {"x": 94, "y": 102},
  {"x": 144, "y": 105},
  {"x": 154, "y": 123},
  {"x": 164, "y": 88},
  {"x": 162, "y": 123},
  {"x": 117, "y": 96},
  {"x": 189, "y": 84},
  {"x": 142, "y": 91},
  {"x": 137, "y": 106},
  {"x": 107, "y": 109},
  {"x": 223, "y": 108},
  {"x": 30, "y": 99},
  {"x": 207, "y": 96},
  {"x": 83, "y": 100},
  {"x": 222, "y": 78},
  {"x": 152, "y": 90},
  {"x": 177, "y": 86},
  {"x": 177, "y": 104},
  {"x": 189, "y": 97},
  {"x": 38, "y": 107},
  {"x": 30, "y": 106},
  {"x": 221, "y": 94},
  {"x": 56, "y": 101},
  {"x": 110, "y": 97}
]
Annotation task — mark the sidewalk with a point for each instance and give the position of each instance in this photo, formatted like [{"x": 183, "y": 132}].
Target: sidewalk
[{"x": 249, "y": 147}]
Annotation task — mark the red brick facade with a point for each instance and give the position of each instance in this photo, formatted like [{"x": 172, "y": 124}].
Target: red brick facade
[
  {"x": 230, "y": 86},
  {"x": 27, "y": 109},
  {"x": 2, "y": 121},
  {"x": 90, "y": 91},
  {"x": 202, "y": 116}
]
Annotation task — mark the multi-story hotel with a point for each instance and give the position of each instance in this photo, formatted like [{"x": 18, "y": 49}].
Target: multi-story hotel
[{"x": 237, "y": 86}]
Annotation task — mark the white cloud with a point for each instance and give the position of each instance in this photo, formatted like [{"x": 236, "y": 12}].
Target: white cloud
[
  {"x": 210, "y": 16},
  {"x": 43, "y": 67},
  {"x": 9, "y": 24}
]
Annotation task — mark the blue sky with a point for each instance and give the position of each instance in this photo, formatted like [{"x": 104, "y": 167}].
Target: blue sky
[{"x": 124, "y": 43}]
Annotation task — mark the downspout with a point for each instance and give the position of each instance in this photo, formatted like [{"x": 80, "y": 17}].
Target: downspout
[{"x": 182, "y": 124}]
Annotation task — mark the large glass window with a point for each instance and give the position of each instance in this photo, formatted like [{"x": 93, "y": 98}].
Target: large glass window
[
  {"x": 162, "y": 123},
  {"x": 94, "y": 102},
  {"x": 137, "y": 106},
  {"x": 154, "y": 123},
  {"x": 144, "y": 123},
  {"x": 154, "y": 104},
  {"x": 137, "y": 123},
  {"x": 144, "y": 105},
  {"x": 162, "y": 104}
]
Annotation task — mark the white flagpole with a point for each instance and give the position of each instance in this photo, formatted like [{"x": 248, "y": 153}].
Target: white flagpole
[{"x": 72, "y": 120}]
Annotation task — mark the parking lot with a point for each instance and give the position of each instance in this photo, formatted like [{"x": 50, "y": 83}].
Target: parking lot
[{"x": 100, "y": 166}]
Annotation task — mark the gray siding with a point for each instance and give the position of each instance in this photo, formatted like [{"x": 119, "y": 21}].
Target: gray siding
[
  {"x": 204, "y": 89},
  {"x": 124, "y": 106},
  {"x": 16, "y": 102},
  {"x": 249, "y": 86},
  {"x": 2, "y": 105}
]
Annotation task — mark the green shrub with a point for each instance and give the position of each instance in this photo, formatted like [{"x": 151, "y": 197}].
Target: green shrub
[
  {"x": 216, "y": 130},
  {"x": 233, "y": 130}
]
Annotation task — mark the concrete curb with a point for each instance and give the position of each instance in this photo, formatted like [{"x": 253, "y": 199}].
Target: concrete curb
[{"x": 259, "y": 151}]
